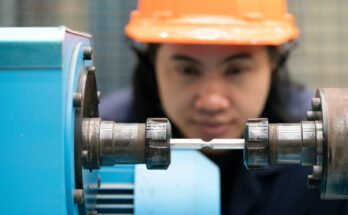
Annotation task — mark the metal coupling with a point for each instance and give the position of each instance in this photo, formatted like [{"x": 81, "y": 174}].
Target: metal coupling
[
  {"x": 106, "y": 143},
  {"x": 256, "y": 149},
  {"x": 157, "y": 151},
  {"x": 290, "y": 143}
]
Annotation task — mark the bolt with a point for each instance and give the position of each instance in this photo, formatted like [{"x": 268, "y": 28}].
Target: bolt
[
  {"x": 314, "y": 115},
  {"x": 310, "y": 115},
  {"x": 313, "y": 182},
  {"x": 91, "y": 69},
  {"x": 317, "y": 172},
  {"x": 84, "y": 157},
  {"x": 78, "y": 196},
  {"x": 77, "y": 100},
  {"x": 98, "y": 95},
  {"x": 84, "y": 154},
  {"x": 99, "y": 181},
  {"x": 87, "y": 53},
  {"x": 316, "y": 104}
]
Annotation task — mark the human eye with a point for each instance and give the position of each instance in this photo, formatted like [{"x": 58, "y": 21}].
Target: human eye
[
  {"x": 232, "y": 71},
  {"x": 187, "y": 70},
  {"x": 235, "y": 70}
]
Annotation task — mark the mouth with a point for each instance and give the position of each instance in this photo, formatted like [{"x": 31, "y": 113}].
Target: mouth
[{"x": 213, "y": 129}]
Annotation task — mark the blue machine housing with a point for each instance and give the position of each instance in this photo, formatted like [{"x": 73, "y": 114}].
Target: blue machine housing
[
  {"x": 39, "y": 71},
  {"x": 190, "y": 186}
]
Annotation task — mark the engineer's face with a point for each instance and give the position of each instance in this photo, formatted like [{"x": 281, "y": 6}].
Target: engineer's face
[{"x": 209, "y": 91}]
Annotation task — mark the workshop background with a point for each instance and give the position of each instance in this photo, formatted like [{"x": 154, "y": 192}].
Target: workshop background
[{"x": 320, "y": 60}]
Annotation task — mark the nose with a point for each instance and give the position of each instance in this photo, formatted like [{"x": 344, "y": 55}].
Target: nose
[{"x": 211, "y": 102}]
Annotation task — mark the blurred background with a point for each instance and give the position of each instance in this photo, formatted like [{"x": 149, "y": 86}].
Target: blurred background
[{"x": 320, "y": 60}]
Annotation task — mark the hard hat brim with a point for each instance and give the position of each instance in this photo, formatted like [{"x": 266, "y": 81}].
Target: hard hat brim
[{"x": 233, "y": 33}]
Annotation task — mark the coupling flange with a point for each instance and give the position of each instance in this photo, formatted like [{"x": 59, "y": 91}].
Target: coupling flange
[
  {"x": 157, "y": 137},
  {"x": 256, "y": 151}
]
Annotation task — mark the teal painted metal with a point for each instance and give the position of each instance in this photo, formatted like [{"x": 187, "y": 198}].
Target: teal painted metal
[
  {"x": 39, "y": 70},
  {"x": 191, "y": 185},
  {"x": 31, "y": 48},
  {"x": 38, "y": 76},
  {"x": 117, "y": 174}
]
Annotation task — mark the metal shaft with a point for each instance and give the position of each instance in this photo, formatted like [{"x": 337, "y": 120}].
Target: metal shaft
[
  {"x": 106, "y": 143},
  {"x": 234, "y": 144}
]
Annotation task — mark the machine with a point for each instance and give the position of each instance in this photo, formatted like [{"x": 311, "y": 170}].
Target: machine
[
  {"x": 320, "y": 142},
  {"x": 59, "y": 157}
]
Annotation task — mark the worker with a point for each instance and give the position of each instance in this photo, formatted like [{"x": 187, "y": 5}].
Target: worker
[{"x": 208, "y": 66}]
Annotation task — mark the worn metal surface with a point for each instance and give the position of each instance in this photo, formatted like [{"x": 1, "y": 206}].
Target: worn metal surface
[
  {"x": 321, "y": 143},
  {"x": 283, "y": 143},
  {"x": 334, "y": 183},
  {"x": 308, "y": 149},
  {"x": 257, "y": 147},
  {"x": 107, "y": 143},
  {"x": 157, "y": 146},
  {"x": 286, "y": 143},
  {"x": 122, "y": 143}
]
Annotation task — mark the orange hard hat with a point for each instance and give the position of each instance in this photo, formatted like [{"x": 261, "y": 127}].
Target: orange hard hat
[{"x": 242, "y": 22}]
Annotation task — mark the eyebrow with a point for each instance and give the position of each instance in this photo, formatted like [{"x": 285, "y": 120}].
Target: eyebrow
[
  {"x": 238, "y": 56},
  {"x": 181, "y": 57}
]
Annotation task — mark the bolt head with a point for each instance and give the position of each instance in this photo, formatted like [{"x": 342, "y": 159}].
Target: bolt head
[
  {"x": 77, "y": 100},
  {"x": 78, "y": 196},
  {"x": 87, "y": 53}
]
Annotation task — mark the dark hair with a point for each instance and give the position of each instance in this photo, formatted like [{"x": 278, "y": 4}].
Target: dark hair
[
  {"x": 147, "y": 101},
  {"x": 277, "y": 105}
]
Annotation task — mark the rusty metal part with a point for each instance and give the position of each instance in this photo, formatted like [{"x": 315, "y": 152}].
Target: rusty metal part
[
  {"x": 256, "y": 151},
  {"x": 107, "y": 143},
  {"x": 288, "y": 143},
  {"x": 321, "y": 143},
  {"x": 309, "y": 138},
  {"x": 121, "y": 143},
  {"x": 314, "y": 180},
  {"x": 314, "y": 115},
  {"x": 316, "y": 104},
  {"x": 334, "y": 103},
  {"x": 157, "y": 135}
]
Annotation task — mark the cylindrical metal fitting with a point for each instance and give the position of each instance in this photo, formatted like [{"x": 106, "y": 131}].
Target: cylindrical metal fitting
[
  {"x": 314, "y": 115},
  {"x": 319, "y": 139},
  {"x": 121, "y": 143},
  {"x": 285, "y": 143},
  {"x": 157, "y": 152},
  {"x": 87, "y": 53},
  {"x": 256, "y": 149},
  {"x": 90, "y": 143},
  {"x": 107, "y": 143},
  {"x": 288, "y": 143},
  {"x": 308, "y": 155},
  {"x": 316, "y": 104}
]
